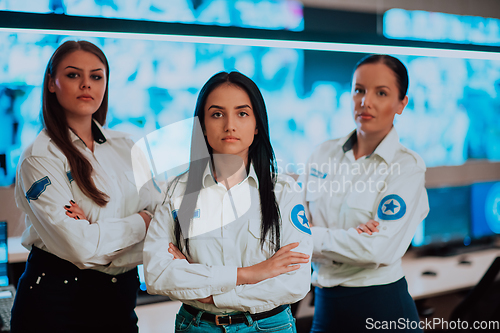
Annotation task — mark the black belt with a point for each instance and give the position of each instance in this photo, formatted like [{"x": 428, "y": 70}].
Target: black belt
[{"x": 233, "y": 319}]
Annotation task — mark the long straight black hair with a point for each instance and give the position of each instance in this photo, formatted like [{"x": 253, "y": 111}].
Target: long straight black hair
[{"x": 260, "y": 154}]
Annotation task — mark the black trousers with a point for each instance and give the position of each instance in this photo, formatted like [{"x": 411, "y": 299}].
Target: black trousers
[
  {"x": 382, "y": 308},
  {"x": 53, "y": 295}
]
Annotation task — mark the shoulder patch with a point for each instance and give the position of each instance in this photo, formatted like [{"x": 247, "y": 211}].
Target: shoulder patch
[
  {"x": 318, "y": 174},
  {"x": 37, "y": 188},
  {"x": 299, "y": 219},
  {"x": 70, "y": 176},
  {"x": 392, "y": 207}
]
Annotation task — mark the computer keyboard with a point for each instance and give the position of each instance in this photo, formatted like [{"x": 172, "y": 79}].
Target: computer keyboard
[{"x": 7, "y": 295}]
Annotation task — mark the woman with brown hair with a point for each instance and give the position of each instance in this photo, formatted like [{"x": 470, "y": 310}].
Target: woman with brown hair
[
  {"x": 365, "y": 215},
  {"x": 85, "y": 218}
]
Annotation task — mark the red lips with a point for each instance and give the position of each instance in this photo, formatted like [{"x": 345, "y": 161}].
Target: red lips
[
  {"x": 85, "y": 97},
  {"x": 230, "y": 138},
  {"x": 365, "y": 116}
]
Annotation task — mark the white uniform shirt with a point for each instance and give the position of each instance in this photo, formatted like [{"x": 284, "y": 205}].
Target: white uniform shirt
[
  {"x": 228, "y": 229},
  {"x": 342, "y": 192},
  {"x": 112, "y": 241}
]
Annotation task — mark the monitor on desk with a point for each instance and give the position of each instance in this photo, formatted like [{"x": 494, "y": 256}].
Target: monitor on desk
[
  {"x": 459, "y": 217},
  {"x": 485, "y": 209},
  {"x": 4, "y": 256},
  {"x": 449, "y": 218}
]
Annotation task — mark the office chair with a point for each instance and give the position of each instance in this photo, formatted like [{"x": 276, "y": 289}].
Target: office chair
[{"x": 483, "y": 301}]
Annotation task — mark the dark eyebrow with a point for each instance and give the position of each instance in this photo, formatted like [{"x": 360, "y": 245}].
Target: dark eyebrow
[
  {"x": 244, "y": 106},
  {"x": 94, "y": 70},
  {"x": 378, "y": 87}
]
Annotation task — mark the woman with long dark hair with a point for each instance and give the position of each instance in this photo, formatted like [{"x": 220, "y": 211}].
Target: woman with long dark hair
[
  {"x": 365, "y": 196},
  {"x": 222, "y": 241},
  {"x": 85, "y": 218}
]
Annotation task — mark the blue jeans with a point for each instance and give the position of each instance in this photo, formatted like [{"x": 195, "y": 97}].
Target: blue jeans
[{"x": 283, "y": 322}]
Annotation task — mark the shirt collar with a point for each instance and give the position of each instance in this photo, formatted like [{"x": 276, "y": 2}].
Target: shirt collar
[
  {"x": 386, "y": 148},
  {"x": 97, "y": 133},
  {"x": 208, "y": 178},
  {"x": 349, "y": 141}
]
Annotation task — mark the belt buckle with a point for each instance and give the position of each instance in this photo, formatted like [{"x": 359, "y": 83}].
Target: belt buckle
[{"x": 217, "y": 320}]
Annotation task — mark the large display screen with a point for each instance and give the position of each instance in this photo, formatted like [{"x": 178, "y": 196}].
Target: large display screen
[
  {"x": 441, "y": 27},
  {"x": 261, "y": 14},
  {"x": 451, "y": 116}
]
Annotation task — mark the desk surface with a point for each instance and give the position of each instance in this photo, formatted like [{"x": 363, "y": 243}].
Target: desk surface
[
  {"x": 17, "y": 252},
  {"x": 451, "y": 275}
]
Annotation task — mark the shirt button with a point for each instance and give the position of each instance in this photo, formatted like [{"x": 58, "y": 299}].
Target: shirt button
[{"x": 114, "y": 280}]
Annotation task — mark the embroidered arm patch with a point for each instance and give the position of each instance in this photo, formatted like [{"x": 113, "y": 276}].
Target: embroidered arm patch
[
  {"x": 299, "y": 219},
  {"x": 38, "y": 188},
  {"x": 392, "y": 207}
]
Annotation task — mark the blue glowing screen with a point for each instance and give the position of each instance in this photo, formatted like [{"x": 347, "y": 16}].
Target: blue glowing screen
[
  {"x": 4, "y": 257},
  {"x": 261, "y": 14},
  {"x": 441, "y": 27},
  {"x": 464, "y": 213},
  {"x": 449, "y": 217},
  {"x": 452, "y": 113},
  {"x": 485, "y": 201}
]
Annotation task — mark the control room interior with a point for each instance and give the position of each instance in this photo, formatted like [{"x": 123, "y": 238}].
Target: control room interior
[{"x": 301, "y": 55}]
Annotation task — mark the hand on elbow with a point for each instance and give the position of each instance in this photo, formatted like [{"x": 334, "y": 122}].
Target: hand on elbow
[
  {"x": 206, "y": 300},
  {"x": 370, "y": 227},
  {"x": 74, "y": 211},
  {"x": 174, "y": 250},
  {"x": 283, "y": 261}
]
